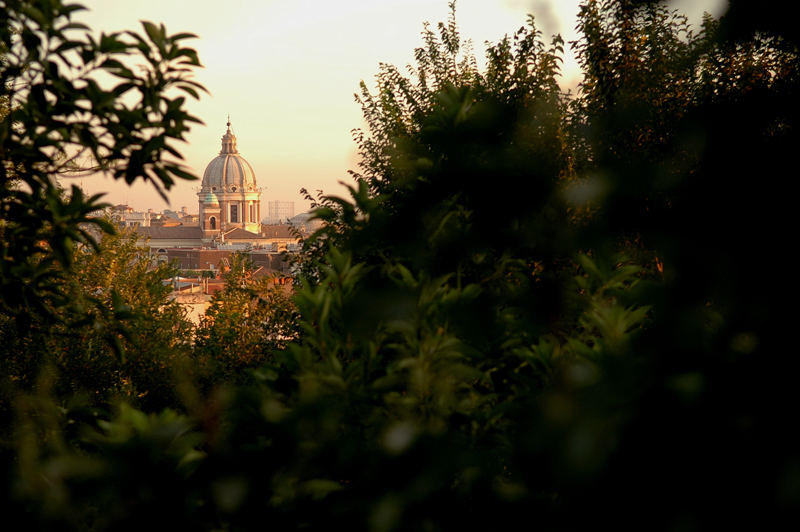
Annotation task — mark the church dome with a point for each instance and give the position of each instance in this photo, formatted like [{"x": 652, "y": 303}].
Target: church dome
[
  {"x": 211, "y": 199},
  {"x": 229, "y": 171}
]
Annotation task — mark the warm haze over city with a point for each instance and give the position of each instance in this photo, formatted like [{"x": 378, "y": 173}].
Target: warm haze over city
[{"x": 286, "y": 71}]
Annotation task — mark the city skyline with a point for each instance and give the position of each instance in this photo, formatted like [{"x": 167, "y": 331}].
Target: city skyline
[{"x": 286, "y": 73}]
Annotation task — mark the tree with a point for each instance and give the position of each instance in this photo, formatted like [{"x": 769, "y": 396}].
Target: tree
[
  {"x": 686, "y": 134},
  {"x": 121, "y": 337},
  {"x": 67, "y": 95},
  {"x": 673, "y": 146},
  {"x": 434, "y": 141},
  {"x": 59, "y": 108},
  {"x": 454, "y": 370},
  {"x": 61, "y": 104},
  {"x": 245, "y": 323}
]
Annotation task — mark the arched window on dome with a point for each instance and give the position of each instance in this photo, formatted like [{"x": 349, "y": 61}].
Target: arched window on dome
[
  {"x": 234, "y": 214},
  {"x": 213, "y": 222}
]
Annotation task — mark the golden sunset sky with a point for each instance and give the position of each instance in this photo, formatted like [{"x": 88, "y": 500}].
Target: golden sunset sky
[{"x": 286, "y": 72}]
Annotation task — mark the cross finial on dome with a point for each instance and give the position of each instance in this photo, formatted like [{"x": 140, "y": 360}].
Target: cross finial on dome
[{"x": 229, "y": 120}]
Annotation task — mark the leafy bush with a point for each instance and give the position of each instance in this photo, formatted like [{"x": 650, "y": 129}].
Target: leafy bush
[
  {"x": 244, "y": 325},
  {"x": 120, "y": 337},
  {"x": 607, "y": 350}
]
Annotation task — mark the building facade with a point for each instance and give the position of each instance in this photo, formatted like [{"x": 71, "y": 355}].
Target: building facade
[
  {"x": 229, "y": 196},
  {"x": 228, "y": 219}
]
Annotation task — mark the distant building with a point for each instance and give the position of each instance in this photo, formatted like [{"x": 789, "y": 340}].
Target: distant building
[
  {"x": 271, "y": 238},
  {"x": 229, "y": 196},
  {"x": 219, "y": 259},
  {"x": 176, "y": 236},
  {"x": 125, "y": 216},
  {"x": 279, "y": 212},
  {"x": 228, "y": 221}
]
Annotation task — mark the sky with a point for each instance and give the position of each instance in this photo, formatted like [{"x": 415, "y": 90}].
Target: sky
[{"x": 286, "y": 72}]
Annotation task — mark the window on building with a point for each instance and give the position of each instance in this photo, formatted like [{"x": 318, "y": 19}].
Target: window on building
[
  {"x": 234, "y": 213},
  {"x": 252, "y": 213},
  {"x": 213, "y": 222}
]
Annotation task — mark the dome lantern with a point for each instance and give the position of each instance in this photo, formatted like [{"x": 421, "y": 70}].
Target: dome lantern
[{"x": 228, "y": 141}]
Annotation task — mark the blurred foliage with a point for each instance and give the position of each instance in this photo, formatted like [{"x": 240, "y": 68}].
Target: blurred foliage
[
  {"x": 106, "y": 474},
  {"x": 536, "y": 308}
]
